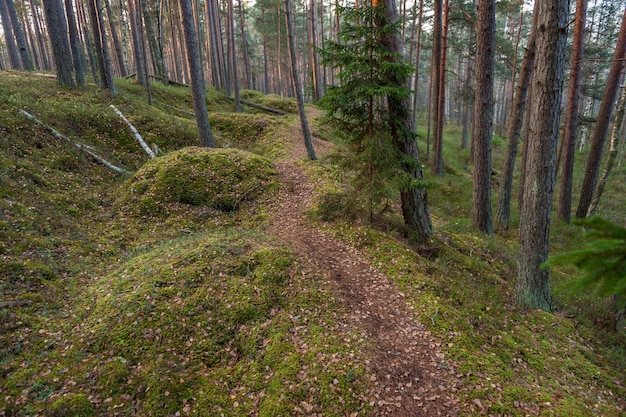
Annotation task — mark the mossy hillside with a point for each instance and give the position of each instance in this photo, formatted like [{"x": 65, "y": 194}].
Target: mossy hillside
[
  {"x": 256, "y": 133},
  {"x": 273, "y": 101},
  {"x": 221, "y": 179},
  {"x": 209, "y": 324}
]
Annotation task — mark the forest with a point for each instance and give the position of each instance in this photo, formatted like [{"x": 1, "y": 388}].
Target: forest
[{"x": 316, "y": 208}]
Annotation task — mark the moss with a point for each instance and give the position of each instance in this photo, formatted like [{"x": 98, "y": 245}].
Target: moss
[
  {"x": 72, "y": 405},
  {"x": 222, "y": 179}
]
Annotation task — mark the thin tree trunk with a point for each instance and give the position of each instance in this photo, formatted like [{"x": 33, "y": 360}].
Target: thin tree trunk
[
  {"x": 88, "y": 43},
  {"x": 42, "y": 49},
  {"x": 308, "y": 143},
  {"x": 602, "y": 124},
  {"x": 418, "y": 50},
  {"x": 244, "y": 45},
  {"x": 568, "y": 143},
  {"x": 138, "y": 52},
  {"x": 533, "y": 284},
  {"x": 616, "y": 134},
  {"x": 437, "y": 86},
  {"x": 121, "y": 65},
  {"x": 20, "y": 38},
  {"x": 14, "y": 58},
  {"x": 232, "y": 51},
  {"x": 198, "y": 90},
  {"x": 503, "y": 211},
  {"x": 141, "y": 25},
  {"x": 318, "y": 87},
  {"x": 483, "y": 115},
  {"x": 469, "y": 76},
  {"x": 77, "y": 50}
]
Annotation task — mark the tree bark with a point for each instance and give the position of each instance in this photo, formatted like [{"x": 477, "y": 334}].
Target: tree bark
[
  {"x": 308, "y": 143},
  {"x": 602, "y": 123},
  {"x": 57, "y": 30},
  {"x": 232, "y": 51},
  {"x": 117, "y": 45},
  {"x": 42, "y": 49},
  {"x": 503, "y": 211},
  {"x": 198, "y": 90},
  {"x": 244, "y": 48},
  {"x": 138, "y": 52},
  {"x": 439, "y": 88},
  {"x": 20, "y": 38},
  {"x": 533, "y": 284},
  {"x": 483, "y": 115},
  {"x": 318, "y": 84},
  {"x": 418, "y": 50},
  {"x": 77, "y": 49},
  {"x": 14, "y": 58},
  {"x": 571, "y": 119},
  {"x": 413, "y": 198},
  {"x": 615, "y": 137}
]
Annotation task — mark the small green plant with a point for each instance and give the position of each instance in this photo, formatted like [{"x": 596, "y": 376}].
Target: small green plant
[{"x": 602, "y": 260}]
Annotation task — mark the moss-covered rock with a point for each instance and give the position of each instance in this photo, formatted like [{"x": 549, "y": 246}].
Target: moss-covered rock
[{"x": 222, "y": 179}]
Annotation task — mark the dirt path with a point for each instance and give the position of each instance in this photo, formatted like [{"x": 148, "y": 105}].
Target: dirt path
[{"x": 409, "y": 377}]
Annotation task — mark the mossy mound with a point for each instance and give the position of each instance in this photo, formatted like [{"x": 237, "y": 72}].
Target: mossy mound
[
  {"x": 242, "y": 130},
  {"x": 273, "y": 101},
  {"x": 221, "y": 179}
]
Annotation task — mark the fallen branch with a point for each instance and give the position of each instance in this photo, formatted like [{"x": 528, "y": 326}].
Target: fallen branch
[
  {"x": 79, "y": 145},
  {"x": 143, "y": 143},
  {"x": 260, "y": 107}
]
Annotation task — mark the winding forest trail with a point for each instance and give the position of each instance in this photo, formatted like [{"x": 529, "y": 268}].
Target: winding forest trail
[{"x": 408, "y": 374}]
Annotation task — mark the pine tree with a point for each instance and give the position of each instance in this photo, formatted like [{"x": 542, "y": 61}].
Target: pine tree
[
  {"x": 602, "y": 260},
  {"x": 368, "y": 74}
]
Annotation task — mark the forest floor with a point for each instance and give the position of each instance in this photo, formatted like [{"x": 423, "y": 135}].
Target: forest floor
[{"x": 408, "y": 372}]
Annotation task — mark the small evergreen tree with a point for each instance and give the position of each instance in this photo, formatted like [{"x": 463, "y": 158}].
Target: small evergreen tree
[
  {"x": 359, "y": 103},
  {"x": 603, "y": 260}
]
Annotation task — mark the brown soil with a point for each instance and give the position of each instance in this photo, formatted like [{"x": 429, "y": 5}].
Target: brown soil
[{"x": 408, "y": 373}]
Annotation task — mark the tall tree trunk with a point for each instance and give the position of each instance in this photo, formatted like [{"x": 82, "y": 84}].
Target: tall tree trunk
[
  {"x": 141, "y": 26},
  {"x": 533, "y": 284},
  {"x": 308, "y": 143},
  {"x": 616, "y": 134},
  {"x": 14, "y": 58},
  {"x": 467, "y": 103},
  {"x": 198, "y": 90},
  {"x": 57, "y": 30},
  {"x": 102, "y": 47},
  {"x": 20, "y": 38},
  {"x": 483, "y": 115},
  {"x": 318, "y": 86},
  {"x": 88, "y": 42},
  {"x": 602, "y": 123},
  {"x": 42, "y": 49},
  {"x": 32, "y": 45},
  {"x": 244, "y": 47},
  {"x": 117, "y": 45},
  {"x": 413, "y": 198},
  {"x": 568, "y": 142},
  {"x": 138, "y": 52},
  {"x": 439, "y": 87},
  {"x": 232, "y": 51},
  {"x": 77, "y": 49},
  {"x": 503, "y": 211},
  {"x": 418, "y": 50}
]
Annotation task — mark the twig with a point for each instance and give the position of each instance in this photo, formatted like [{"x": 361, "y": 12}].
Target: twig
[
  {"x": 142, "y": 142},
  {"x": 79, "y": 145}
]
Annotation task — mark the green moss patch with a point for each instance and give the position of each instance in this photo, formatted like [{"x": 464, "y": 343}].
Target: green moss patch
[{"x": 222, "y": 179}]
